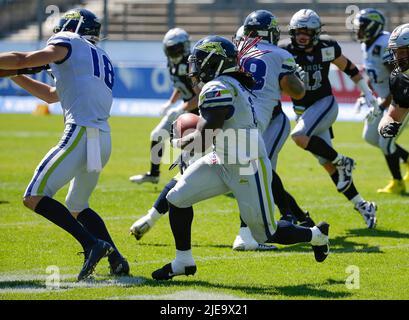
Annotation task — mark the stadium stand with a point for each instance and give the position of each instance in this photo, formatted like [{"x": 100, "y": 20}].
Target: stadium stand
[{"x": 150, "y": 19}]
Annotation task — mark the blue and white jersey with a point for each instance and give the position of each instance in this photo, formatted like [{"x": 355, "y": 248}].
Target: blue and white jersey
[
  {"x": 269, "y": 64},
  {"x": 241, "y": 138},
  {"x": 84, "y": 81},
  {"x": 375, "y": 56}
]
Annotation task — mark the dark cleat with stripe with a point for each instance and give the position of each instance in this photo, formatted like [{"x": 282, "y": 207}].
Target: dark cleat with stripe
[
  {"x": 320, "y": 245},
  {"x": 98, "y": 251},
  {"x": 166, "y": 272},
  {"x": 119, "y": 267}
]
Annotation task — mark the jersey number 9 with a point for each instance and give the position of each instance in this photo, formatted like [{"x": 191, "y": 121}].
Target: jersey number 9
[{"x": 108, "y": 68}]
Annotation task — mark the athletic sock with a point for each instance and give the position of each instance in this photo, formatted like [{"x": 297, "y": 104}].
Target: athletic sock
[
  {"x": 183, "y": 258},
  {"x": 181, "y": 224},
  {"x": 403, "y": 154},
  {"x": 280, "y": 195},
  {"x": 156, "y": 156},
  {"x": 319, "y": 147},
  {"x": 161, "y": 204},
  {"x": 288, "y": 233},
  {"x": 96, "y": 226},
  {"x": 393, "y": 164},
  {"x": 55, "y": 212},
  {"x": 351, "y": 193}
]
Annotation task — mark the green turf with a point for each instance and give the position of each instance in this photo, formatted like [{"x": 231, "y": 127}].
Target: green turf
[{"x": 29, "y": 244}]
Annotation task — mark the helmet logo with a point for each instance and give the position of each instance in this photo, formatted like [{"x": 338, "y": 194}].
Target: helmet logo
[
  {"x": 214, "y": 47},
  {"x": 375, "y": 17},
  {"x": 253, "y": 22},
  {"x": 73, "y": 15}
]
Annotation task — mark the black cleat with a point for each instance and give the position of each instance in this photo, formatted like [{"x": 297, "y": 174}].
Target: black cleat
[
  {"x": 92, "y": 256},
  {"x": 321, "y": 251},
  {"x": 119, "y": 267},
  {"x": 166, "y": 272},
  {"x": 307, "y": 222}
]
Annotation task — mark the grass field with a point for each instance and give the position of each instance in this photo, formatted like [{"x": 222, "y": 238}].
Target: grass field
[{"x": 29, "y": 243}]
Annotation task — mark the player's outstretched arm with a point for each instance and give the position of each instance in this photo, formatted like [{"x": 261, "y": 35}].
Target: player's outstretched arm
[
  {"x": 292, "y": 86},
  {"x": 38, "y": 89},
  {"x": 21, "y": 60}
]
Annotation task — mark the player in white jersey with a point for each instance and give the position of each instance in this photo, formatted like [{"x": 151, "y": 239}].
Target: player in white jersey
[
  {"x": 274, "y": 70},
  {"x": 84, "y": 77},
  {"x": 368, "y": 25},
  {"x": 238, "y": 163}
]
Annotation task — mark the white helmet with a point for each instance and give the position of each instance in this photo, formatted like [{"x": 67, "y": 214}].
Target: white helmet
[
  {"x": 305, "y": 19},
  {"x": 176, "y": 44},
  {"x": 238, "y": 36},
  {"x": 399, "y": 39}
]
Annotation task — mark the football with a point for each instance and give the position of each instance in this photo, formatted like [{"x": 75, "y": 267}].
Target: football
[{"x": 186, "y": 123}]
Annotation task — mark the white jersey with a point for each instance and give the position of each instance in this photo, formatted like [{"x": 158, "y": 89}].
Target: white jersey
[
  {"x": 268, "y": 64},
  {"x": 241, "y": 139},
  {"x": 374, "y": 59},
  {"x": 84, "y": 81}
]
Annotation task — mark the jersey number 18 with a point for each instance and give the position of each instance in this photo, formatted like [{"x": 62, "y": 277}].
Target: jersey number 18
[{"x": 108, "y": 68}]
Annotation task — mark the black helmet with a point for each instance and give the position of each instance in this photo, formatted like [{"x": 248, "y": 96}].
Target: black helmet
[
  {"x": 368, "y": 24},
  {"x": 263, "y": 24},
  {"x": 211, "y": 57},
  {"x": 80, "y": 21}
]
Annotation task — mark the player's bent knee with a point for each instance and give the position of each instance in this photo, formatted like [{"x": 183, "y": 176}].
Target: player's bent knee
[
  {"x": 300, "y": 140},
  {"x": 31, "y": 201},
  {"x": 175, "y": 200}
]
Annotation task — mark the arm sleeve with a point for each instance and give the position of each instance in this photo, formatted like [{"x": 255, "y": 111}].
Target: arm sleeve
[{"x": 399, "y": 87}]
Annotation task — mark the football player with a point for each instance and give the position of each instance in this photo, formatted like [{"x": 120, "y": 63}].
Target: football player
[
  {"x": 318, "y": 109},
  {"x": 399, "y": 83},
  {"x": 369, "y": 25},
  {"x": 274, "y": 70},
  {"x": 225, "y": 103},
  {"x": 84, "y": 79},
  {"x": 176, "y": 45}
]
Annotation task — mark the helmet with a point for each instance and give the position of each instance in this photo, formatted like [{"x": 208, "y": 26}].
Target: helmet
[
  {"x": 176, "y": 44},
  {"x": 399, "y": 45},
  {"x": 305, "y": 19},
  {"x": 368, "y": 24},
  {"x": 238, "y": 36},
  {"x": 262, "y": 23},
  {"x": 80, "y": 21},
  {"x": 212, "y": 56}
]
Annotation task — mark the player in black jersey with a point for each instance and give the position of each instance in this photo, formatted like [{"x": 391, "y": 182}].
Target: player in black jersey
[
  {"x": 176, "y": 45},
  {"x": 318, "y": 109},
  {"x": 398, "y": 82}
]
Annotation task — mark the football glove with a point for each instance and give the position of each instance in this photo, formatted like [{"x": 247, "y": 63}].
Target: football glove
[
  {"x": 390, "y": 130},
  {"x": 360, "y": 102},
  {"x": 174, "y": 113},
  {"x": 299, "y": 72}
]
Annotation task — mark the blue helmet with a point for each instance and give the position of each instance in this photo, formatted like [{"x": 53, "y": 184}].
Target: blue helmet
[
  {"x": 80, "y": 21},
  {"x": 211, "y": 57},
  {"x": 262, "y": 23},
  {"x": 368, "y": 24}
]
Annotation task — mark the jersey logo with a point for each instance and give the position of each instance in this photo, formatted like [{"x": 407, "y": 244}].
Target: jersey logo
[
  {"x": 310, "y": 58},
  {"x": 215, "y": 47},
  {"x": 328, "y": 54}
]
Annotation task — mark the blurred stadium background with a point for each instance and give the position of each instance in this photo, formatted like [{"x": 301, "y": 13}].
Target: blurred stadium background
[{"x": 133, "y": 30}]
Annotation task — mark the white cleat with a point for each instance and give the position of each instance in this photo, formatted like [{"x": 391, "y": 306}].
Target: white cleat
[
  {"x": 368, "y": 212},
  {"x": 251, "y": 245},
  {"x": 141, "y": 226},
  {"x": 142, "y": 178}
]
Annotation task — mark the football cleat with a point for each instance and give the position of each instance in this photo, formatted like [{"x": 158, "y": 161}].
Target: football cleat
[
  {"x": 119, "y": 267},
  {"x": 289, "y": 217},
  {"x": 368, "y": 211},
  {"x": 240, "y": 244},
  {"x": 307, "y": 222},
  {"x": 98, "y": 251},
  {"x": 166, "y": 272},
  {"x": 142, "y": 178},
  {"x": 320, "y": 244},
  {"x": 394, "y": 186},
  {"x": 141, "y": 226},
  {"x": 344, "y": 165}
]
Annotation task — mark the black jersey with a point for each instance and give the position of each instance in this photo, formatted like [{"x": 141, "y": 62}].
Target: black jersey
[
  {"x": 399, "y": 88},
  {"x": 316, "y": 64},
  {"x": 181, "y": 81}
]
